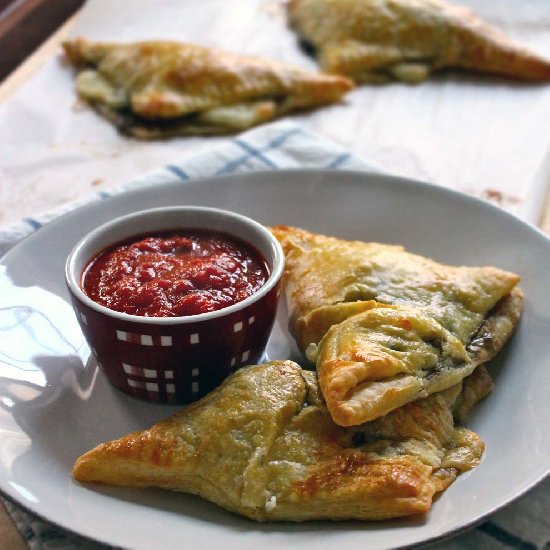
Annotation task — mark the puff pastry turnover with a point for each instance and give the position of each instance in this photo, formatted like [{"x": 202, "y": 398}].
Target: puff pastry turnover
[
  {"x": 162, "y": 89},
  {"x": 263, "y": 445},
  {"x": 381, "y": 40},
  {"x": 386, "y": 327}
]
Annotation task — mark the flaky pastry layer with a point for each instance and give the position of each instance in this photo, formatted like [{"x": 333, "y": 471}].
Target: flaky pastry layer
[
  {"x": 161, "y": 89},
  {"x": 264, "y": 445},
  {"x": 386, "y": 327},
  {"x": 407, "y": 40}
]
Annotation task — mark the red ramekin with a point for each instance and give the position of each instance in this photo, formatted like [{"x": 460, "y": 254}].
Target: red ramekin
[{"x": 176, "y": 359}]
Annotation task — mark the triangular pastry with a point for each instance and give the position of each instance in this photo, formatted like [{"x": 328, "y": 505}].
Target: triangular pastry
[
  {"x": 386, "y": 327},
  {"x": 263, "y": 445},
  {"x": 162, "y": 89},
  {"x": 381, "y": 40}
]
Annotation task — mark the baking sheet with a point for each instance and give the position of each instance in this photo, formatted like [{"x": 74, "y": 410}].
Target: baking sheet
[{"x": 489, "y": 137}]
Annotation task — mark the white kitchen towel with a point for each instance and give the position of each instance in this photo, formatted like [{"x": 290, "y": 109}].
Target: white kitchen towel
[{"x": 524, "y": 524}]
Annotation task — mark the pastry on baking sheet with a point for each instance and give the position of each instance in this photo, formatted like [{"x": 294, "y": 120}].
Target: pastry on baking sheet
[
  {"x": 386, "y": 327},
  {"x": 161, "y": 89},
  {"x": 382, "y": 40},
  {"x": 263, "y": 445}
]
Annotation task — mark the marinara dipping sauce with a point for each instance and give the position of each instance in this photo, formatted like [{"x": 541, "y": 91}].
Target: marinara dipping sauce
[{"x": 174, "y": 274}]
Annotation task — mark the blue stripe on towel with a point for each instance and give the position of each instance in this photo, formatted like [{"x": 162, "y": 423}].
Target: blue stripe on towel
[
  {"x": 176, "y": 170},
  {"x": 255, "y": 153},
  {"x": 50, "y": 535},
  {"x": 339, "y": 160},
  {"x": 232, "y": 166},
  {"x": 35, "y": 224},
  {"x": 497, "y": 533},
  {"x": 278, "y": 141}
]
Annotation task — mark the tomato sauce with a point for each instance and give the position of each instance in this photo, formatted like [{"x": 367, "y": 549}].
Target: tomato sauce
[{"x": 175, "y": 274}]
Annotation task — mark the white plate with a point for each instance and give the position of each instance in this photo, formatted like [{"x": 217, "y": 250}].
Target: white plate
[{"x": 54, "y": 404}]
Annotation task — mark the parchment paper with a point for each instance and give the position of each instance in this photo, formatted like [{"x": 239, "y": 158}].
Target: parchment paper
[{"x": 486, "y": 136}]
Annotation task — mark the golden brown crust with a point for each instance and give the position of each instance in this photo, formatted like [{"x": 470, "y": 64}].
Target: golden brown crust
[
  {"x": 386, "y": 327},
  {"x": 321, "y": 272},
  {"x": 264, "y": 445},
  {"x": 159, "y": 88},
  {"x": 381, "y": 40},
  {"x": 376, "y": 361}
]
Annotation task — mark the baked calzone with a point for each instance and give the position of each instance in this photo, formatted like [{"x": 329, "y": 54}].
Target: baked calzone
[
  {"x": 162, "y": 89},
  {"x": 386, "y": 327},
  {"x": 264, "y": 445},
  {"x": 381, "y": 40}
]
